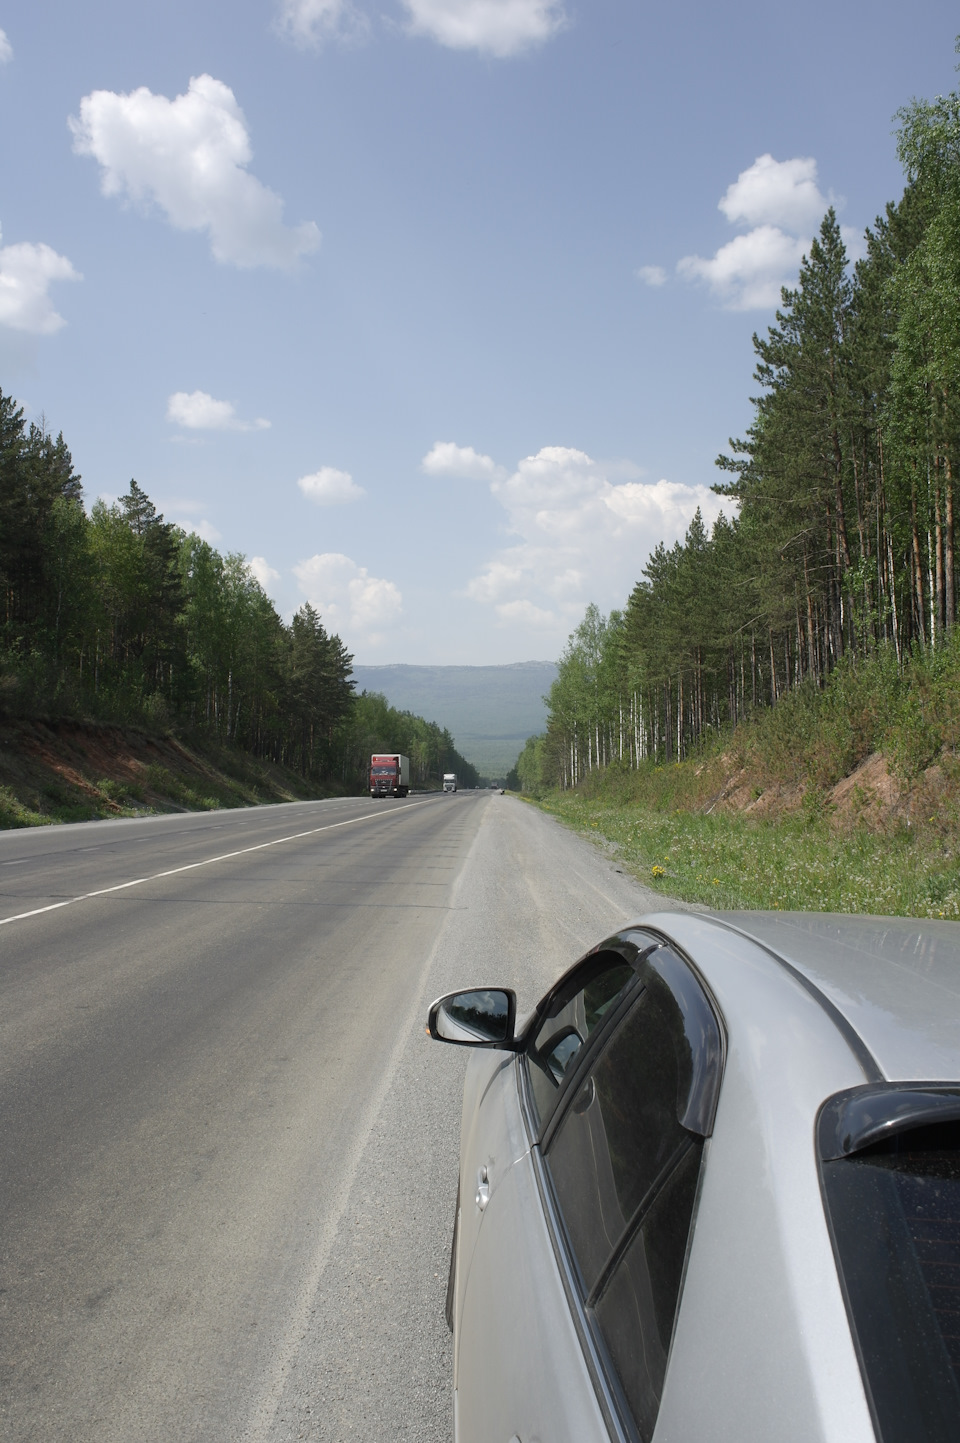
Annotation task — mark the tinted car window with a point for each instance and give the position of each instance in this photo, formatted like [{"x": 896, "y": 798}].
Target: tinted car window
[
  {"x": 636, "y": 1309},
  {"x": 622, "y": 1129},
  {"x": 574, "y": 1012},
  {"x": 895, "y": 1211},
  {"x": 624, "y": 1163}
]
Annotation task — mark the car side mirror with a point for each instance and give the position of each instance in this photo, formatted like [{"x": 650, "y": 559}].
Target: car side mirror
[{"x": 481, "y": 1017}]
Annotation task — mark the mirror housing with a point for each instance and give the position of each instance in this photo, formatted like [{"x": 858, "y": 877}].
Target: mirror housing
[{"x": 476, "y": 1017}]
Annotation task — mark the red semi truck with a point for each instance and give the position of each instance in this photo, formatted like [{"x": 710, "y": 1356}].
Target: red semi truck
[{"x": 389, "y": 775}]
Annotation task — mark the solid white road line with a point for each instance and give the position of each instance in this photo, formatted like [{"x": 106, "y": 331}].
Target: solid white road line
[{"x": 192, "y": 866}]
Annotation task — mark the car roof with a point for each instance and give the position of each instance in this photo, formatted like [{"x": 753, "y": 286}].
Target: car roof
[{"x": 895, "y": 981}]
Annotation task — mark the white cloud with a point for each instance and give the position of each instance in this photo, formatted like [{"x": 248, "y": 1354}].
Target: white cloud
[
  {"x": 27, "y": 271},
  {"x": 6, "y": 49},
  {"x": 748, "y": 272},
  {"x": 350, "y": 601},
  {"x": 198, "y": 411},
  {"x": 524, "y": 613},
  {"x": 652, "y": 275},
  {"x": 189, "y": 157},
  {"x": 204, "y": 529},
  {"x": 310, "y": 23},
  {"x": 776, "y": 192},
  {"x": 262, "y": 571},
  {"x": 580, "y": 536},
  {"x": 781, "y": 201},
  {"x": 329, "y": 487},
  {"x": 494, "y": 27},
  {"x": 446, "y": 458}
]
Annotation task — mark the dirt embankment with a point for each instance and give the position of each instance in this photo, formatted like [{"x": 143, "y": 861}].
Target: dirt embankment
[
  {"x": 63, "y": 771},
  {"x": 872, "y": 794}
]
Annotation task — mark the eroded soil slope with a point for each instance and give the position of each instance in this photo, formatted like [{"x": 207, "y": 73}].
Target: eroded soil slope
[{"x": 71, "y": 771}]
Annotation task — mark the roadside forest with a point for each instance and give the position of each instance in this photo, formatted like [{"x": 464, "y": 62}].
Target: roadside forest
[
  {"x": 116, "y": 615},
  {"x": 837, "y": 552}
]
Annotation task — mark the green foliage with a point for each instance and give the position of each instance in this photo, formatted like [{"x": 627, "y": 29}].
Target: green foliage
[
  {"x": 375, "y": 726},
  {"x": 121, "y": 616},
  {"x": 797, "y": 863},
  {"x": 839, "y": 562}
]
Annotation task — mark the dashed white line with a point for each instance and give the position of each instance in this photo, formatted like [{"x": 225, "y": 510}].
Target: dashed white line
[{"x": 208, "y": 862}]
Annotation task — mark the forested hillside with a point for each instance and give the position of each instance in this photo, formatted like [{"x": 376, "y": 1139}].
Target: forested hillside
[
  {"x": 118, "y": 616},
  {"x": 490, "y": 710},
  {"x": 839, "y": 543}
]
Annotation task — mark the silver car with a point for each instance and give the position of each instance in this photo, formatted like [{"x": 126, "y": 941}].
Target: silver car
[{"x": 710, "y": 1189}]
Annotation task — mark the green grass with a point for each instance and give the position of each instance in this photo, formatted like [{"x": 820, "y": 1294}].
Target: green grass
[
  {"x": 675, "y": 828},
  {"x": 793, "y": 863}
]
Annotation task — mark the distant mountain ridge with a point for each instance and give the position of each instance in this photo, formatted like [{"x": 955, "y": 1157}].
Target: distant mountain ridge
[{"x": 489, "y": 710}]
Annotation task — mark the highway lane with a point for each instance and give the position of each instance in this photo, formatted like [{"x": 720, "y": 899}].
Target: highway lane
[{"x": 228, "y": 1151}]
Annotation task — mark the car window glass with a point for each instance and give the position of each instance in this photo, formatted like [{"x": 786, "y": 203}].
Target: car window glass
[
  {"x": 621, "y": 1129},
  {"x": 636, "y": 1310},
  {"x": 895, "y": 1209},
  {"x": 574, "y": 1013}
]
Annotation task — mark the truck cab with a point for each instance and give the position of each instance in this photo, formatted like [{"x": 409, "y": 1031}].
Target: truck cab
[{"x": 389, "y": 774}]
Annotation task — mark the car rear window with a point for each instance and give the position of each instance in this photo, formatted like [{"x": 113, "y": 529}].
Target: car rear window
[{"x": 895, "y": 1212}]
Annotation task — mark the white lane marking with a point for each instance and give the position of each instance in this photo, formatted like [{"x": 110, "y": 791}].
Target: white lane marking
[{"x": 208, "y": 862}]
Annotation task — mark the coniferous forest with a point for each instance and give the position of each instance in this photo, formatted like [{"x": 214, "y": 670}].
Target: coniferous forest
[
  {"x": 839, "y": 541},
  {"x": 118, "y": 615}
]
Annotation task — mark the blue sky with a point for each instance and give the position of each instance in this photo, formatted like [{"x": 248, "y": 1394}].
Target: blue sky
[{"x": 437, "y": 310}]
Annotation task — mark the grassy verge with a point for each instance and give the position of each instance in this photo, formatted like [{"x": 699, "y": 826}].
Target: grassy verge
[
  {"x": 845, "y": 799},
  {"x": 792, "y": 863}
]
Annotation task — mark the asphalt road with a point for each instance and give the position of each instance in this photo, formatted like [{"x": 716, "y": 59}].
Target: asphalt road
[{"x": 228, "y": 1153}]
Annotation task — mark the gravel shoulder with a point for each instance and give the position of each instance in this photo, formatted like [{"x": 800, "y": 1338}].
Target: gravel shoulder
[{"x": 368, "y": 1355}]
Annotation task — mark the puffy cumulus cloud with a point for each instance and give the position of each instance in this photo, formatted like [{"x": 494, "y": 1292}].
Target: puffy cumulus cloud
[
  {"x": 189, "y": 157},
  {"x": 749, "y": 272},
  {"x": 446, "y": 458},
  {"x": 205, "y": 530},
  {"x": 782, "y": 203},
  {"x": 581, "y": 535},
  {"x": 494, "y": 27},
  {"x": 524, "y": 613},
  {"x": 262, "y": 571},
  {"x": 348, "y": 598},
  {"x": 6, "y": 49},
  {"x": 776, "y": 192},
  {"x": 652, "y": 275},
  {"x": 311, "y": 23},
  {"x": 198, "y": 411},
  {"x": 27, "y": 271},
  {"x": 329, "y": 487}
]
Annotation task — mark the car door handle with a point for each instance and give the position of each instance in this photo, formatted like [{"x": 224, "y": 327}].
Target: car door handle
[{"x": 483, "y": 1189}]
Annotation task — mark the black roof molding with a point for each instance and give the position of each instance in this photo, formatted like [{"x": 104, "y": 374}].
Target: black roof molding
[{"x": 856, "y": 1119}]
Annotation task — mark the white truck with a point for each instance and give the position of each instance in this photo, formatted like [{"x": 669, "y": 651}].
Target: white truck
[
  {"x": 389, "y": 774},
  {"x": 449, "y": 781}
]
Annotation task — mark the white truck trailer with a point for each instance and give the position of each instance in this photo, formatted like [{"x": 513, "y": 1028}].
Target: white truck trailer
[{"x": 449, "y": 781}]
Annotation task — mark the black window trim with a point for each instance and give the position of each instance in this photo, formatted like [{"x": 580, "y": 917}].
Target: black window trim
[
  {"x": 611, "y": 1398},
  {"x": 633, "y": 946},
  {"x": 636, "y": 1218},
  {"x": 613, "y": 1402}
]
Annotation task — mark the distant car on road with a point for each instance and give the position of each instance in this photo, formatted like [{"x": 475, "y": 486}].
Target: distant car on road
[{"x": 710, "y": 1189}]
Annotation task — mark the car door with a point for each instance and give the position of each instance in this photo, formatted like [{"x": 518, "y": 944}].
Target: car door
[{"x": 568, "y": 1307}]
